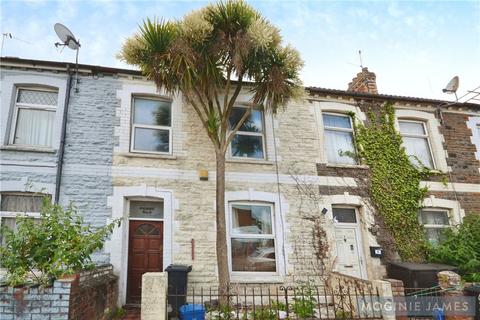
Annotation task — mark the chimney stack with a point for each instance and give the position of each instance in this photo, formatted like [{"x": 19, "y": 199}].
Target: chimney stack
[{"x": 365, "y": 81}]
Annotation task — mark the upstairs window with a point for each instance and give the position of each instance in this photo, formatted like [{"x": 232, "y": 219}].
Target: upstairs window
[
  {"x": 338, "y": 132},
  {"x": 151, "y": 125},
  {"x": 434, "y": 222},
  {"x": 249, "y": 141},
  {"x": 34, "y": 117},
  {"x": 252, "y": 238},
  {"x": 415, "y": 140}
]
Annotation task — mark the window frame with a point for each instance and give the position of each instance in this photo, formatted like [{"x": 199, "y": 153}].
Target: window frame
[
  {"x": 329, "y": 128},
  {"x": 15, "y": 214},
  {"x": 249, "y": 133},
  {"x": 140, "y": 199},
  {"x": 133, "y": 126},
  {"x": 30, "y": 106},
  {"x": 435, "y": 226},
  {"x": 425, "y": 136},
  {"x": 272, "y": 236},
  {"x": 345, "y": 206}
]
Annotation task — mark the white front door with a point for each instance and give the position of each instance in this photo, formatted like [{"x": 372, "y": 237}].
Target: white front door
[
  {"x": 348, "y": 242},
  {"x": 348, "y": 259}
]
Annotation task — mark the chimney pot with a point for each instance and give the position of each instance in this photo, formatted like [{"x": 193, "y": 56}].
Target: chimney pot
[{"x": 364, "y": 81}]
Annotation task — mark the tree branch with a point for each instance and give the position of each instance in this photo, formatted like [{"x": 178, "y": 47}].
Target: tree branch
[
  {"x": 214, "y": 139},
  {"x": 239, "y": 124}
]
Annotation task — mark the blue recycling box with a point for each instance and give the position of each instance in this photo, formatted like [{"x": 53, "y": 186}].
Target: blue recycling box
[{"x": 192, "y": 312}]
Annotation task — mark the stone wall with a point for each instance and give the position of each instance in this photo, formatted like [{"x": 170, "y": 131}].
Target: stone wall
[
  {"x": 86, "y": 296},
  {"x": 86, "y": 178}
]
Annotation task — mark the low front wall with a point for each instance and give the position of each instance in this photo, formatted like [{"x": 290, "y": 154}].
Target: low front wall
[{"x": 89, "y": 295}]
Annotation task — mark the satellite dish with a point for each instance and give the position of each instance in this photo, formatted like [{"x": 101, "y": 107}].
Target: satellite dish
[
  {"x": 66, "y": 36},
  {"x": 68, "y": 40},
  {"x": 452, "y": 86}
]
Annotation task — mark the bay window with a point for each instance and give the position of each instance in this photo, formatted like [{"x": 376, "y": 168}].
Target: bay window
[
  {"x": 416, "y": 142},
  {"x": 434, "y": 221},
  {"x": 34, "y": 117},
  {"x": 338, "y": 137},
  {"x": 151, "y": 125},
  {"x": 252, "y": 238},
  {"x": 249, "y": 141}
]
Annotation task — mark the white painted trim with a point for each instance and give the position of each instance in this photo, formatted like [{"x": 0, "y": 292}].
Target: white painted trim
[
  {"x": 7, "y": 101},
  {"x": 455, "y": 211},
  {"x": 435, "y": 138},
  {"x": 123, "y": 131},
  {"x": 364, "y": 220},
  {"x": 457, "y": 187},
  {"x": 117, "y": 245},
  {"x": 280, "y": 208},
  {"x": 332, "y": 107},
  {"x": 474, "y": 124}
]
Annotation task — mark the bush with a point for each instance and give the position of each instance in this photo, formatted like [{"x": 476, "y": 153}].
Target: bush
[
  {"x": 56, "y": 245},
  {"x": 461, "y": 248}
]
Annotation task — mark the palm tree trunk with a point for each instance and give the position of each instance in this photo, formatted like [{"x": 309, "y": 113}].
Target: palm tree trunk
[{"x": 222, "y": 252}]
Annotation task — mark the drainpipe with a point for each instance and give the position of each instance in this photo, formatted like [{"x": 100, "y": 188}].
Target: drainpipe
[{"x": 61, "y": 150}]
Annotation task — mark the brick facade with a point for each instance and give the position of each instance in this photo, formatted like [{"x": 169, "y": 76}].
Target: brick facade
[{"x": 101, "y": 175}]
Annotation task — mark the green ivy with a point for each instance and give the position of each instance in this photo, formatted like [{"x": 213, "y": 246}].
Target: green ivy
[{"x": 395, "y": 182}]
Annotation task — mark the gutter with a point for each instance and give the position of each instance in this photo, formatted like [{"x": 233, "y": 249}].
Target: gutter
[{"x": 61, "y": 150}]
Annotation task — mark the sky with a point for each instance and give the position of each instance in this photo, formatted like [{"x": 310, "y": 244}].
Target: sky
[{"x": 414, "y": 47}]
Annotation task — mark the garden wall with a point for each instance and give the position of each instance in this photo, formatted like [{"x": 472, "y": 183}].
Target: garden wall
[{"x": 88, "y": 295}]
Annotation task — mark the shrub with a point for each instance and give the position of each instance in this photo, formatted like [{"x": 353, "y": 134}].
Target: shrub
[
  {"x": 58, "y": 244},
  {"x": 461, "y": 248},
  {"x": 304, "y": 302}
]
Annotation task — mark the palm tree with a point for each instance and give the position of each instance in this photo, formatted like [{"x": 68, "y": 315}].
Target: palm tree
[{"x": 210, "y": 56}]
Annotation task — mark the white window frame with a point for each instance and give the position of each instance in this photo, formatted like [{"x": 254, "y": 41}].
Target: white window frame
[
  {"x": 325, "y": 128},
  {"x": 424, "y": 136},
  {"x": 436, "y": 226},
  {"x": 473, "y": 124},
  {"x": 230, "y": 235},
  {"x": 146, "y": 126},
  {"x": 30, "y": 106},
  {"x": 15, "y": 214},
  {"x": 249, "y": 133},
  {"x": 139, "y": 199}
]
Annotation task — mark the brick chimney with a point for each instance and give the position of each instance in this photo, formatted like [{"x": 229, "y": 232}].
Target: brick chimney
[{"x": 365, "y": 81}]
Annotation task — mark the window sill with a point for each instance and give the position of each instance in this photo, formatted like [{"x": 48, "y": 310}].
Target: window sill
[
  {"x": 346, "y": 166},
  {"x": 254, "y": 278},
  {"x": 27, "y": 149},
  {"x": 250, "y": 161},
  {"x": 146, "y": 155}
]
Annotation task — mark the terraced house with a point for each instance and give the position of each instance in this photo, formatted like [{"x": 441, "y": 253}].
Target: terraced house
[{"x": 118, "y": 148}]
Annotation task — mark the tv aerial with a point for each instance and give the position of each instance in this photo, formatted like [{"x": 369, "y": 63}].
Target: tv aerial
[
  {"x": 452, "y": 86},
  {"x": 68, "y": 40}
]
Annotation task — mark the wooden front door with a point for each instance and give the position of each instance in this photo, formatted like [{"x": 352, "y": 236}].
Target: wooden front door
[{"x": 145, "y": 254}]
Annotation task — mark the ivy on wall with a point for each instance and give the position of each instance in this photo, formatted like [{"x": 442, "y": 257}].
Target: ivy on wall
[{"x": 395, "y": 182}]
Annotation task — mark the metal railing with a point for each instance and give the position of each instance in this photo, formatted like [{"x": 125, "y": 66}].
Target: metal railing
[{"x": 278, "y": 302}]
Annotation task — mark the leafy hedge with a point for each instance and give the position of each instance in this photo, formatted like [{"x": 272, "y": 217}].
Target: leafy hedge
[
  {"x": 57, "y": 244},
  {"x": 461, "y": 248}
]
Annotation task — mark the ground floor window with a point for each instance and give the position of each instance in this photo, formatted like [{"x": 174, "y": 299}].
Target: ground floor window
[
  {"x": 252, "y": 238},
  {"x": 435, "y": 221},
  {"x": 13, "y": 204}
]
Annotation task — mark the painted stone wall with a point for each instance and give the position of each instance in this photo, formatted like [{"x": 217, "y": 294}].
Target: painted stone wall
[{"x": 86, "y": 178}]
